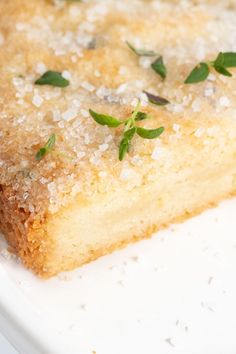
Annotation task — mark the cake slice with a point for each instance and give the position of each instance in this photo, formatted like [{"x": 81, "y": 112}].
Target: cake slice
[{"x": 66, "y": 195}]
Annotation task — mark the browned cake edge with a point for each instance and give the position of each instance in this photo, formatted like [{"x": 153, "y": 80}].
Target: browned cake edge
[
  {"x": 26, "y": 236},
  {"x": 29, "y": 240}
]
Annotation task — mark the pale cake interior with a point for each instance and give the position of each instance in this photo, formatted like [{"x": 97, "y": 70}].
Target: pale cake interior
[{"x": 85, "y": 234}]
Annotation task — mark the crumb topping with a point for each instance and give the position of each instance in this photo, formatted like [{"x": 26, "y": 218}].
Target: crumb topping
[{"x": 87, "y": 42}]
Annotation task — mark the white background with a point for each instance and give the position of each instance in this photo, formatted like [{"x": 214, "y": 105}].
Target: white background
[{"x": 5, "y": 347}]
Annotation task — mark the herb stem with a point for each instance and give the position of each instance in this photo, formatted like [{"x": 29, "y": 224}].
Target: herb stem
[
  {"x": 131, "y": 121},
  {"x": 211, "y": 63}
]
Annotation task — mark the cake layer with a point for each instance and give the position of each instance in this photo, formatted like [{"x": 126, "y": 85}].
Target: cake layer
[
  {"x": 88, "y": 228},
  {"x": 84, "y": 234},
  {"x": 65, "y": 196}
]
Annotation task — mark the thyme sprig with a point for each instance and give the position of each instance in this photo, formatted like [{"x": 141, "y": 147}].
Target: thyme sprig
[
  {"x": 46, "y": 148},
  {"x": 130, "y": 128},
  {"x": 221, "y": 64},
  {"x": 158, "y": 65}
]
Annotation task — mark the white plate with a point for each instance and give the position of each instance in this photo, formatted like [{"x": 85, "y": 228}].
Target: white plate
[
  {"x": 175, "y": 293},
  {"x": 5, "y": 346}
]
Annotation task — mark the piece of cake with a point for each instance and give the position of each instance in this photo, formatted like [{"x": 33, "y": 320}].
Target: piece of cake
[{"x": 69, "y": 190}]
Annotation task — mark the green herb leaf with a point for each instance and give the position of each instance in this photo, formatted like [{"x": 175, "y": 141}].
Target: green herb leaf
[
  {"x": 141, "y": 116},
  {"x": 123, "y": 148},
  {"x": 52, "y": 78},
  {"x": 229, "y": 59},
  {"x": 220, "y": 64},
  {"x": 150, "y": 133},
  {"x": 157, "y": 100},
  {"x": 198, "y": 74},
  {"x": 141, "y": 52},
  {"x": 159, "y": 67},
  {"x": 223, "y": 71},
  {"x": 103, "y": 119},
  {"x": 129, "y": 134},
  {"x": 46, "y": 148},
  {"x": 126, "y": 142}
]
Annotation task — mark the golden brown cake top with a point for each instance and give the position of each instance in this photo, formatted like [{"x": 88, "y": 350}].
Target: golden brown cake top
[{"x": 86, "y": 42}]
